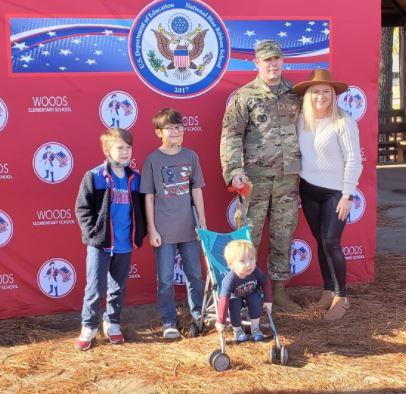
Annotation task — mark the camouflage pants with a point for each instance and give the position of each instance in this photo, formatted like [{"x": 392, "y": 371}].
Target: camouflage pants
[{"x": 275, "y": 197}]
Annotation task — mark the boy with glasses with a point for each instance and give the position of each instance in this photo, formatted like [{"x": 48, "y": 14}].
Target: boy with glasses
[{"x": 171, "y": 177}]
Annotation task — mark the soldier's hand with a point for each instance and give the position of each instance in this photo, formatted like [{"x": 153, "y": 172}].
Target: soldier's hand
[
  {"x": 220, "y": 327},
  {"x": 239, "y": 181}
]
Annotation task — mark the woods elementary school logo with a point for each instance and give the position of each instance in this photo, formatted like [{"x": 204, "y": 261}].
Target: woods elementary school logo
[
  {"x": 56, "y": 278},
  {"x": 179, "y": 48},
  {"x": 118, "y": 109},
  {"x": 231, "y": 210},
  {"x": 52, "y": 162},
  {"x": 3, "y": 114},
  {"x": 6, "y": 228},
  {"x": 300, "y": 256},
  {"x": 354, "y": 102},
  {"x": 358, "y": 207},
  {"x": 179, "y": 277}
]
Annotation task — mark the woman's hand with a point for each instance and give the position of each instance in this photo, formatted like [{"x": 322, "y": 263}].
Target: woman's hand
[
  {"x": 220, "y": 327},
  {"x": 343, "y": 208}
]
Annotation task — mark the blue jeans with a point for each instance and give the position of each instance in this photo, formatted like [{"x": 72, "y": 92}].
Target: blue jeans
[
  {"x": 104, "y": 274},
  {"x": 165, "y": 261},
  {"x": 254, "y": 303}
]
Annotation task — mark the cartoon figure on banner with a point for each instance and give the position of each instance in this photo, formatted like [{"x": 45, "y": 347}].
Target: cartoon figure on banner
[
  {"x": 48, "y": 159},
  {"x": 52, "y": 162},
  {"x": 354, "y": 102},
  {"x": 180, "y": 45},
  {"x": 118, "y": 109},
  {"x": 3, "y": 114},
  {"x": 52, "y": 275},
  {"x": 56, "y": 278},
  {"x": 358, "y": 207},
  {"x": 6, "y": 228},
  {"x": 231, "y": 213},
  {"x": 178, "y": 274},
  {"x": 113, "y": 107},
  {"x": 300, "y": 256}
]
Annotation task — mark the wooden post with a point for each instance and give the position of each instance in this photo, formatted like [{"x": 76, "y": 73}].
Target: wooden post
[{"x": 402, "y": 67}]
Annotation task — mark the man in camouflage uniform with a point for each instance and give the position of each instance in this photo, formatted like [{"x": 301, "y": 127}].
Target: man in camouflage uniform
[{"x": 259, "y": 145}]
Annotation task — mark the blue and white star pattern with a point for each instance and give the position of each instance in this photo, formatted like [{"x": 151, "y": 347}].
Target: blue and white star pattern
[{"x": 81, "y": 45}]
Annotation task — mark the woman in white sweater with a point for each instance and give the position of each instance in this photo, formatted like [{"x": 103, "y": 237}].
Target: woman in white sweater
[{"x": 331, "y": 166}]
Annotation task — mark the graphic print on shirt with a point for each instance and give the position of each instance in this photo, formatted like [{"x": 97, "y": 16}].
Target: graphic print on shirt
[
  {"x": 245, "y": 289},
  {"x": 120, "y": 196},
  {"x": 176, "y": 179}
]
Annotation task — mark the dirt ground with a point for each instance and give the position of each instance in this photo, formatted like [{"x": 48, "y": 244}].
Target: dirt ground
[{"x": 363, "y": 353}]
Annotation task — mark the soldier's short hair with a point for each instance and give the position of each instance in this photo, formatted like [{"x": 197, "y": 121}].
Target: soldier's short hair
[
  {"x": 166, "y": 116},
  {"x": 237, "y": 249},
  {"x": 111, "y": 135},
  {"x": 267, "y": 48}
]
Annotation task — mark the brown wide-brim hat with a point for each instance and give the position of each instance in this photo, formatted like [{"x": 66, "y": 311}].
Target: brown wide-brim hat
[{"x": 317, "y": 77}]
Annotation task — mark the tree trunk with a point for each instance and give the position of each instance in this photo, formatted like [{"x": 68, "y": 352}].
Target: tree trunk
[{"x": 385, "y": 70}]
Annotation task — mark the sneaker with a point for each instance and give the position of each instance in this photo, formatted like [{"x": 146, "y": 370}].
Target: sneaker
[
  {"x": 112, "y": 331},
  {"x": 240, "y": 335},
  {"x": 86, "y": 338},
  {"x": 170, "y": 331},
  {"x": 257, "y": 335}
]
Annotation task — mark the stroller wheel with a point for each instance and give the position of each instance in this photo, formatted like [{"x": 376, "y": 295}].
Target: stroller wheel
[
  {"x": 284, "y": 355},
  {"x": 212, "y": 355},
  {"x": 221, "y": 362},
  {"x": 274, "y": 355},
  {"x": 193, "y": 330}
]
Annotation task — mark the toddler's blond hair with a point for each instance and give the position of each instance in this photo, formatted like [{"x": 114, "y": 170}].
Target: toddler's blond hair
[{"x": 236, "y": 249}]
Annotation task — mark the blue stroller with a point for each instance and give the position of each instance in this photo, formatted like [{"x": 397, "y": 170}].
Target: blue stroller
[{"x": 213, "y": 245}]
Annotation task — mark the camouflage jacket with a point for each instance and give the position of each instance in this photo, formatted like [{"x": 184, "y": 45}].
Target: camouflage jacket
[{"x": 259, "y": 132}]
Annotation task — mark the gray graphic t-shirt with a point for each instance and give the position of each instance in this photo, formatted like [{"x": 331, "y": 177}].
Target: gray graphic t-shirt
[{"x": 170, "y": 178}]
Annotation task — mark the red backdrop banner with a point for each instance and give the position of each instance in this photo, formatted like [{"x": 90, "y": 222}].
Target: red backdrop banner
[{"x": 69, "y": 71}]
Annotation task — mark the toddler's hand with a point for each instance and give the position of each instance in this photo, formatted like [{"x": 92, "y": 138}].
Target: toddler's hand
[
  {"x": 268, "y": 305},
  {"x": 220, "y": 327}
]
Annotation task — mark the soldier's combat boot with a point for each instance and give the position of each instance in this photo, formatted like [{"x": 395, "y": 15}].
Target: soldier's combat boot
[
  {"x": 281, "y": 300},
  {"x": 325, "y": 300}
]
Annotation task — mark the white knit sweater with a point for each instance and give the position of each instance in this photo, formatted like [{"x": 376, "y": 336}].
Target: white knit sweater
[{"x": 331, "y": 157}]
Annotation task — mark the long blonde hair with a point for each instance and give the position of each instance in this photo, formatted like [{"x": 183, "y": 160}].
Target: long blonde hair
[{"x": 336, "y": 114}]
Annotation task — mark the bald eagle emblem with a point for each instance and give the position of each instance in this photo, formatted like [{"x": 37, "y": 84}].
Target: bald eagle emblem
[{"x": 181, "y": 47}]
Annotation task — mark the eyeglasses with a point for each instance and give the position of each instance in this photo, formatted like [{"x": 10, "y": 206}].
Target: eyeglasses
[{"x": 174, "y": 128}]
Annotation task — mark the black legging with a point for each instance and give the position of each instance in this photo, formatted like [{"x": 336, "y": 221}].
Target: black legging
[{"x": 319, "y": 206}]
